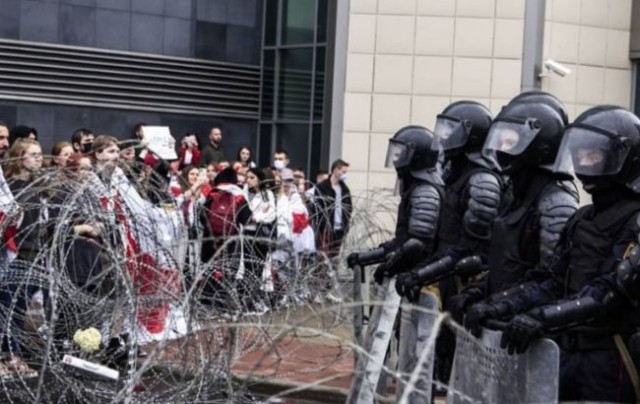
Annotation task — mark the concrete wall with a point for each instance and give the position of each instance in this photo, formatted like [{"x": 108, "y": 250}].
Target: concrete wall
[{"x": 408, "y": 59}]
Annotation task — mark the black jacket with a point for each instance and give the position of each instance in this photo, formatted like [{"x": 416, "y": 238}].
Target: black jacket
[
  {"x": 326, "y": 205},
  {"x": 32, "y": 233}
]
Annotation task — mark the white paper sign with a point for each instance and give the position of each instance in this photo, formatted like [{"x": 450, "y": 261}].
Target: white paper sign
[{"x": 159, "y": 140}]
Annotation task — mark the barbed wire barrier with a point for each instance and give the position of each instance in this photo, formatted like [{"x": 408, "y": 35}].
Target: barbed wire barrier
[{"x": 128, "y": 315}]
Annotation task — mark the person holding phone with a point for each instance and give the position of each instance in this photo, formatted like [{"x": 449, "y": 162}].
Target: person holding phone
[{"x": 189, "y": 151}]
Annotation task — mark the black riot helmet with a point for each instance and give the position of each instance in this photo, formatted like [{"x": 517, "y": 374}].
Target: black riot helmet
[
  {"x": 463, "y": 126},
  {"x": 412, "y": 148},
  {"x": 602, "y": 147},
  {"x": 525, "y": 134},
  {"x": 541, "y": 97}
]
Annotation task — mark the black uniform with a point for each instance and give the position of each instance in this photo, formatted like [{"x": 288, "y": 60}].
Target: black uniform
[
  {"x": 473, "y": 192},
  {"x": 525, "y": 237},
  {"x": 604, "y": 147},
  {"x": 412, "y": 153},
  {"x": 524, "y": 139}
]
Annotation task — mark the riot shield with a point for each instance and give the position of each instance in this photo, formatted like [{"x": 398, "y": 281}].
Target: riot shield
[
  {"x": 375, "y": 344},
  {"x": 416, "y": 326},
  {"x": 485, "y": 373}
]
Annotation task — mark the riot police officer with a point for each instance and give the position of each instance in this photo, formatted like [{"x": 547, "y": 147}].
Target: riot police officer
[
  {"x": 603, "y": 147},
  {"x": 473, "y": 197},
  {"x": 524, "y": 139},
  {"x": 413, "y": 152},
  {"x": 473, "y": 189}
]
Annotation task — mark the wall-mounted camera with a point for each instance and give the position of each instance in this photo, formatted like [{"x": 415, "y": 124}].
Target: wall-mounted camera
[{"x": 556, "y": 67}]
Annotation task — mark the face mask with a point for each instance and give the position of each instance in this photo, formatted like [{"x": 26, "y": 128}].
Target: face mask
[
  {"x": 86, "y": 147},
  {"x": 279, "y": 165},
  {"x": 342, "y": 177}
]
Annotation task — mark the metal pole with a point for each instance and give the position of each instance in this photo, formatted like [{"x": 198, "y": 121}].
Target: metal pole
[{"x": 532, "y": 45}]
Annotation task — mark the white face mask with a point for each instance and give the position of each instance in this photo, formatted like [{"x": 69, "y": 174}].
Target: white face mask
[
  {"x": 279, "y": 165},
  {"x": 342, "y": 177}
]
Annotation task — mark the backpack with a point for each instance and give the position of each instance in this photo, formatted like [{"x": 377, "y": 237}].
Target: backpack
[{"x": 223, "y": 208}]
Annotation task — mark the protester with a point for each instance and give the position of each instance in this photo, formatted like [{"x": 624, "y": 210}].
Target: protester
[
  {"x": 259, "y": 231},
  {"x": 245, "y": 157},
  {"x": 190, "y": 202},
  {"x": 22, "y": 132},
  {"x": 212, "y": 152},
  {"x": 281, "y": 159},
  {"x": 24, "y": 173},
  {"x": 333, "y": 199},
  {"x": 190, "y": 153},
  {"x": 81, "y": 140},
  {"x": 60, "y": 152}
]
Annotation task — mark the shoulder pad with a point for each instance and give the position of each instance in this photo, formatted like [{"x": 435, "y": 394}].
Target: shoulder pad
[
  {"x": 559, "y": 201},
  {"x": 556, "y": 206},
  {"x": 484, "y": 201},
  {"x": 569, "y": 187},
  {"x": 485, "y": 185},
  {"x": 425, "y": 211},
  {"x": 424, "y": 191}
]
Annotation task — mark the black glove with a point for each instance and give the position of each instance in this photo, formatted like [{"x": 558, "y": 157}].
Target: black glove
[
  {"x": 353, "y": 259},
  {"x": 459, "y": 303},
  {"x": 469, "y": 266},
  {"x": 408, "y": 285},
  {"x": 522, "y": 329},
  {"x": 380, "y": 273},
  {"x": 388, "y": 245},
  {"x": 392, "y": 262},
  {"x": 478, "y": 314}
]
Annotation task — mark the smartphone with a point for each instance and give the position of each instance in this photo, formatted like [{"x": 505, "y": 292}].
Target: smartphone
[{"x": 202, "y": 174}]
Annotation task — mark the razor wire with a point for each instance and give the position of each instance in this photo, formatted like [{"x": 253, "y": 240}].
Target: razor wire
[
  {"x": 213, "y": 347},
  {"x": 207, "y": 327}
]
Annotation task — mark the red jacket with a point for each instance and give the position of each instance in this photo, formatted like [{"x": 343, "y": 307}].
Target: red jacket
[{"x": 195, "y": 156}]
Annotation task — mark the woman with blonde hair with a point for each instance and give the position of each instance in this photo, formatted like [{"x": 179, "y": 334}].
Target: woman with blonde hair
[{"x": 24, "y": 168}]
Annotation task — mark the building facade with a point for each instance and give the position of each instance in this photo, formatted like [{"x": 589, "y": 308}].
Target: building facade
[
  {"x": 320, "y": 78},
  {"x": 408, "y": 59},
  {"x": 188, "y": 64}
]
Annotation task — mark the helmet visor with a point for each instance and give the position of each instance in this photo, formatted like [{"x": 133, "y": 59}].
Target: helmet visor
[
  {"x": 451, "y": 132},
  {"x": 511, "y": 136},
  {"x": 398, "y": 155},
  {"x": 590, "y": 152}
]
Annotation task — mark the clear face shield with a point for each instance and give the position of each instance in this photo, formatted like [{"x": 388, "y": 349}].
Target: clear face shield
[
  {"x": 398, "y": 155},
  {"x": 590, "y": 152},
  {"x": 510, "y": 136},
  {"x": 452, "y": 133}
]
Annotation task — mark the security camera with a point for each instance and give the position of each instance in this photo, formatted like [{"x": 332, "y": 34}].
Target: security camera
[{"x": 556, "y": 67}]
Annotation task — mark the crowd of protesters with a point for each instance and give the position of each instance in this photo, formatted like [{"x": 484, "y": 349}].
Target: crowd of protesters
[{"x": 253, "y": 228}]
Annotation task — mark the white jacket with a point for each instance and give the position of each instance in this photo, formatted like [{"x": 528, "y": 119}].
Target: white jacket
[
  {"x": 263, "y": 209},
  {"x": 285, "y": 218}
]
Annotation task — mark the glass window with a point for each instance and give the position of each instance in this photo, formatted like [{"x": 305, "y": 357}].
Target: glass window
[
  {"x": 268, "y": 84},
  {"x": 318, "y": 105},
  {"x": 298, "y": 21},
  {"x": 294, "y": 138},
  {"x": 264, "y": 153},
  {"x": 322, "y": 21},
  {"x": 316, "y": 149},
  {"x": 271, "y": 23},
  {"x": 294, "y": 93}
]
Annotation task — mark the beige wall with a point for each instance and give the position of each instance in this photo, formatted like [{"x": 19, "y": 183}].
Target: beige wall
[
  {"x": 591, "y": 37},
  {"x": 408, "y": 59}
]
